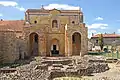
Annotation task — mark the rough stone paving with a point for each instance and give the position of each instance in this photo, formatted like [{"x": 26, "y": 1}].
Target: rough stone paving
[{"x": 49, "y": 68}]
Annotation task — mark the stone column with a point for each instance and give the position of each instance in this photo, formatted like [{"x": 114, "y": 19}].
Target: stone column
[
  {"x": 69, "y": 46},
  {"x": 45, "y": 50},
  {"x": 40, "y": 45},
  {"x": 82, "y": 45},
  {"x": 28, "y": 46}
]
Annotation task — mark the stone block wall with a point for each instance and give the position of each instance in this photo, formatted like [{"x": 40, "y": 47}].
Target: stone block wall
[
  {"x": 7, "y": 42},
  {"x": 21, "y": 48},
  {"x": 10, "y": 47}
]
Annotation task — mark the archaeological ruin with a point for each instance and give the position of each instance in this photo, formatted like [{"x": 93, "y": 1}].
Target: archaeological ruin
[
  {"x": 47, "y": 45},
  {"x": 51, "y": 68},
  {"x": 43, "y": 33}
]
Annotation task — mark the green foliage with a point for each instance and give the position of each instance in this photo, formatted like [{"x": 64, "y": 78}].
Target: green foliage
[
  {"x": 115, "y": 55},
  {"x": 100, "y": 41},
  {"x": 95, "y": 53},
  {"x": 11, "y": 65}
]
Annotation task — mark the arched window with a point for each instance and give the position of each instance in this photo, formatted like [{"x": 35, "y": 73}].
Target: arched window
[{"x": 54, "y": 24}]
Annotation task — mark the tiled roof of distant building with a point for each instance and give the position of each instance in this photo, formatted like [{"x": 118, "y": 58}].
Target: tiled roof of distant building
[
  {"x": 11, "y": 25},
  {"x": 106, "y": 35}
]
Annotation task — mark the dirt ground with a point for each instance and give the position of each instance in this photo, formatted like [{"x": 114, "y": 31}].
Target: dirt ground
[{"x": 112, "y": 74}]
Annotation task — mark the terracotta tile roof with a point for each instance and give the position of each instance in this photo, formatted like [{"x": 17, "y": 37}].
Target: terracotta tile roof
[
  {"x": 11, "y": 25},
  {"x": 107, "y": 35}
]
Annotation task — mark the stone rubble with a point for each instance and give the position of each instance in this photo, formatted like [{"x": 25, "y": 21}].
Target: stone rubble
[
  {"x": 42, "y": 71},
  {"x": 26, "y": 72}
]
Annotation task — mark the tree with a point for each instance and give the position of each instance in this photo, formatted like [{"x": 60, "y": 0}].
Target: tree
[{"x": 100, "y": 41}]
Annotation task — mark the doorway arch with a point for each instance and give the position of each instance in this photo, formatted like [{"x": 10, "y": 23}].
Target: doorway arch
[
  {"x": 54, "y": 47},
  {"x": 76, "y": 43},
  {"x": 33, "y": 40}
]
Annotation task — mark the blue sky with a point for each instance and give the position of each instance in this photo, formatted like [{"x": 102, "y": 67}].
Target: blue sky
[{"x": 100, "y": 16}]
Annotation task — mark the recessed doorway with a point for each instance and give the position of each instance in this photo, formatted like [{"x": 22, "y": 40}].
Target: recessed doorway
[
  {"x": 76, "y": 43},
  {"x": 33, "y": 44},
  {"x": 55, "y": 47}
]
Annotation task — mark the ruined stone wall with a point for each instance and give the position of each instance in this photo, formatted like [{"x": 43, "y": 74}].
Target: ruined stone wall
[
  {"x": 10, "y": 47},
  {"x": 43, "y": 26},
  {"x": 1, "y": 47},
  {"x": 21, "y": 48},
  {"x": 82, "y": 30}
]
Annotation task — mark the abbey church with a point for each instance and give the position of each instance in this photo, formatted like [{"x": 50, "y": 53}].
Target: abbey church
[{"x": 43, "y": 33}]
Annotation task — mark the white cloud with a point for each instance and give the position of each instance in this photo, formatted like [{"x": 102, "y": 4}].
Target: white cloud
[
  {"x": 62, "y": 6},
  {"x": 13, "y": 4},
  {"x": 97, "y": 26},
  {"x": 103, "y": 27},
  {"x": 118, "y": 30},
  {"x": 93, "y": 31},
  {"x": 99, "y": 18},
  {"x": 1, "y": 14},
  {"x": 8, "y": 3},
  {"x": 90, "y": 32},
  {"x": 20, "y": 8},
  {"x": 94, "y": 27}
]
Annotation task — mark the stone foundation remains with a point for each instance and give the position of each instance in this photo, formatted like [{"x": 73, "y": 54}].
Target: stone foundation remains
[{"x": 51, "y": 67}]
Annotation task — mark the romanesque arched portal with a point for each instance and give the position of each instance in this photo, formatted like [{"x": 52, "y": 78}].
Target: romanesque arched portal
[
  {"x": 54, "y": 47},
  {"x": 76, "y": 43},
  {"x": 33, "y": 38}
]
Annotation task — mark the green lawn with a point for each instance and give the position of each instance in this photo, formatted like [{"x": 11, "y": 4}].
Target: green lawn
[
  {"x": 113, "y": 55},
  {"x": 12, "y": 65}
]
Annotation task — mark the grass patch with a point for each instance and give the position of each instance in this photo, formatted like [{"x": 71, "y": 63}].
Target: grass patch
[
  {"x": 11, "y": 65},
  {"x": 95, "y": 53},
  {"x": 113, "y": 55}
]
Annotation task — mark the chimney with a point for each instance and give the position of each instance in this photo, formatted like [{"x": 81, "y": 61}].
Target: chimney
[
  {"x": 92, "y": 34},
  {"x": 42, "y": 7},
  {"x": 1, "y": 19}
]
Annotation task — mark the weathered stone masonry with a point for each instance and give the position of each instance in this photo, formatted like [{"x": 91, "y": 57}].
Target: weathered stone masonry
[{"x": 44, "y": 33}]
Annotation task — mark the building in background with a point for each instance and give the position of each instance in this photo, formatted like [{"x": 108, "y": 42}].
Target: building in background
[{"x": 108, "y": 40}]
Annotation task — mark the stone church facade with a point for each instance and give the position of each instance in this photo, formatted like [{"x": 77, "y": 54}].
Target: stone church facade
[{"x": 53, "y": 33}]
